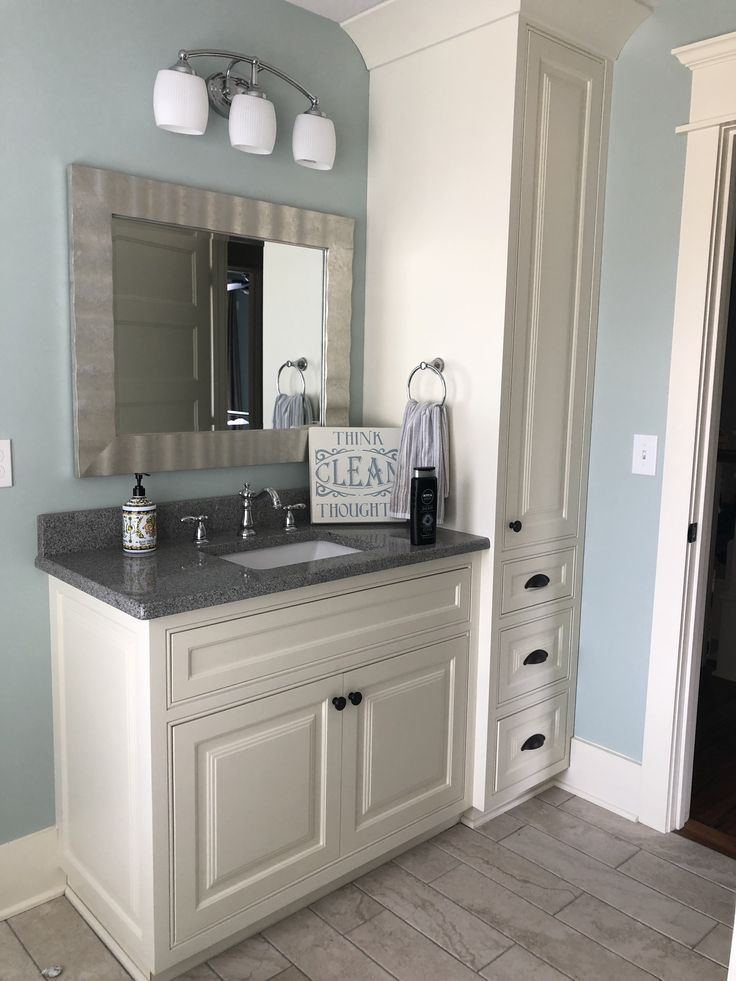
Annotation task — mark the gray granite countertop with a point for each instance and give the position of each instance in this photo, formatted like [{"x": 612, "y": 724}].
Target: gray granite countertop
[{"x": 179, "y": 577}]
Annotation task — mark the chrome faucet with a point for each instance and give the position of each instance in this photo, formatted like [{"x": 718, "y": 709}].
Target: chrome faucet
[{"x": 247, "y": 527}]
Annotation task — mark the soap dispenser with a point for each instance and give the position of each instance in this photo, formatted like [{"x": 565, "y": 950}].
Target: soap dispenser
[{"x": 139, "y": 521}]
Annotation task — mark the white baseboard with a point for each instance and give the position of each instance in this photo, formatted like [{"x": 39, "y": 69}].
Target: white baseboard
[
  {"x": 29, "y": 872},
  {"x": 603, "y": 777}
]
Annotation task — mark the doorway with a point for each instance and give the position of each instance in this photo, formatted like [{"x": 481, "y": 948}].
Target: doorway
[{"x": 712, "y": 817}]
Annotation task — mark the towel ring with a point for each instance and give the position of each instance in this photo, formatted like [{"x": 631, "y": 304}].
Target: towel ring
[
  {"x": 437, "y": 366},
  {"x": 300, "y": 364}
]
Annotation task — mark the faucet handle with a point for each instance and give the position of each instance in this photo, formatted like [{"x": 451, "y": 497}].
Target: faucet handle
[
  {"x": 289, "y": 522},
  {"x": 247, "y": 493},
  {"x": 200, "y": 532}
]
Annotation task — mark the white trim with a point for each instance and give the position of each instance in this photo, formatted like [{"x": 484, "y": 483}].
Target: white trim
[
  {"x": 106, "y": 937},
  {"x": 29, "y": 872},
  {"x": 603, "y": 777},
  {"x": 710, "y": 51},
  {"x": 398, "y": 28},
  {"x": 703, "y": 277}
]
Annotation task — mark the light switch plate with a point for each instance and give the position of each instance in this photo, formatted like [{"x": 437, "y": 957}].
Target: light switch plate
[
  {"x": 6, "y": 464},
  {"x": 644, "y": 460}
]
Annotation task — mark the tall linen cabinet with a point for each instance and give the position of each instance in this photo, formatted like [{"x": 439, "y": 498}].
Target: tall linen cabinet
[
  {"x": 545, "y": 416},
  {"x": 490, "y": 259}
]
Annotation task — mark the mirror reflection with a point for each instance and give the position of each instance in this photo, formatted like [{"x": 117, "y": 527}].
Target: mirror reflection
[{"x": 214, "y": 331}]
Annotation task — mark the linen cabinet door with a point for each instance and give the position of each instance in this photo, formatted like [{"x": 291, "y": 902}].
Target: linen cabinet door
[
  {"x": 404, "y": 741},
  {"x": 255, "y": 802},
  {"x": 555, "y": 293}
]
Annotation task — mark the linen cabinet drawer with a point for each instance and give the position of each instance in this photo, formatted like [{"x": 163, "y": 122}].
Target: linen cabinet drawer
[
  {"x": 270, "y": 643},
  {"x": 539, "y": 579},
  {"x": 531, "y": 740},
  {"x": 533, "y": 655}
]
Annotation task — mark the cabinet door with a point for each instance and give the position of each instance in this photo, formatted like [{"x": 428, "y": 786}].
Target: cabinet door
[
  {"x": 555, "y": 292},
  {"x": 256, "y": 802},
  {"x": 404, "y": 744}
]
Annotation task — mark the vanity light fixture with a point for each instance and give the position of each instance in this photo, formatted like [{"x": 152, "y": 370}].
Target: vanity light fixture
[{"x": 181, "y": 97}]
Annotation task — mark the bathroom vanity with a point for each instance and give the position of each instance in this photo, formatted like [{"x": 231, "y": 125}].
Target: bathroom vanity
[{"x": 232, "y": 742}]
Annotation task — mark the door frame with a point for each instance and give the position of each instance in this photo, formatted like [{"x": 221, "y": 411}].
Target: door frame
[{"x": 696, "y": 371}]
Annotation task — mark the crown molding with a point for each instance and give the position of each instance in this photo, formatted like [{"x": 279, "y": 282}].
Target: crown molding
[
  {"x": 713, "y": 95},
  {"x": 398, "y": 28},
  {"x": 711, "y": 51}
]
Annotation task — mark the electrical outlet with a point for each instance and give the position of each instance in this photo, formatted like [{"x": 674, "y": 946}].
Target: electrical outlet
[
  {"x": 644, "y": 459},
  {"x": 6, "y": 464}
]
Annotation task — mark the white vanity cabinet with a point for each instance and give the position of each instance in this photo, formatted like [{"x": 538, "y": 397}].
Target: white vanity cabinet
[{"x": 216, "y": 769}]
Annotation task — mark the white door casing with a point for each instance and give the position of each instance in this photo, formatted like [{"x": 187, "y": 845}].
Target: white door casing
[{"x": 703, "y": 279}]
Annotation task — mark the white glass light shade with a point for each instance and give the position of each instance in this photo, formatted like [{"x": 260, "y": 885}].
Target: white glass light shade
[
  {"x": 313, "y": 141},
  {"x": 180, "y": 102},
  {"x": 252, "y": 124}
]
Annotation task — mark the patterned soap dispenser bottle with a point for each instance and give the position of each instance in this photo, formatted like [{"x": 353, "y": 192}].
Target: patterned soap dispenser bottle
[{"x": 139, "y": 521}]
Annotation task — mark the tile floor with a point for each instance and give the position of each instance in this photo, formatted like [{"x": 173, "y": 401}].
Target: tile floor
[{"x": 557, "y": 888}]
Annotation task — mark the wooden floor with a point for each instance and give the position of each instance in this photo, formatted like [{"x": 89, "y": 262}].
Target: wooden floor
[
  {"x": 557, "y": 888},
  {"x": 713, "y": 803}
]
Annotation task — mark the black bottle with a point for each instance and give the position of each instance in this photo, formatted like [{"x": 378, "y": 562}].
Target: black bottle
[{"x": 423, "y": 506}]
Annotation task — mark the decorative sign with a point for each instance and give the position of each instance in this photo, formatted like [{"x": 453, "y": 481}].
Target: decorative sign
[{"x": 351, "y": 473}]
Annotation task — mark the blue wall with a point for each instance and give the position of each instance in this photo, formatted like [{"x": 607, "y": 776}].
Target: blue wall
[
  {"x": 76, "y": 81},
  {"x": 651, "y": 95}
]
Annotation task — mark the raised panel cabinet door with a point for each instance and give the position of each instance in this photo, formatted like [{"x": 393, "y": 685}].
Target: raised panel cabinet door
[
  {"x": 555, "y": 293},
  {"x": 403, "y": 741},
  {"x": 255, "y": 802}
]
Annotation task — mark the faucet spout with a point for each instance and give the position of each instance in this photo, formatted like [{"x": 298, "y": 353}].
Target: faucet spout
[{"x": 274, "y": 497}]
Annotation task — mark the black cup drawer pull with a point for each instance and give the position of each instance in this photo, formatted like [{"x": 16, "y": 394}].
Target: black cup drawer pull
[
  {"x": 533, "y": 742},
  {"x": 537, "y": 581},
  {"x": 536, "y": 657}
]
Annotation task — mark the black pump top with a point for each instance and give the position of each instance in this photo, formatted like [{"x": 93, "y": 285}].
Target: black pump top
[{"x": 139, "y": 490}]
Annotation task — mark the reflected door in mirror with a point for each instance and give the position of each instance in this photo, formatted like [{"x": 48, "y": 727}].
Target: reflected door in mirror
[{"x": 202, "y": 324}]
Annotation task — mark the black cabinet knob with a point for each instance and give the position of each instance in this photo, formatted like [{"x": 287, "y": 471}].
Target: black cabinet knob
[
  {"x": 536, "y": 657},
  {"x": 356, "y": 697},
  {"x": 533, "y": 742},
  {"x": 537, "y": 582},
  {"x": 339, "y": 702},
  {"x": 515, "y": 525}
]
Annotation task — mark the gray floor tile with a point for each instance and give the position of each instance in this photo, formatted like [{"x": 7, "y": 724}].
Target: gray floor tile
[
  {"x": 346, "y": 908},
  {"x": 701, "y": 894},
  {"x": 612, "y": 887},
  {"x": 199, "y": 973},
  {"x": 672, "y": 848},
  {"x": 543, "y": 935},
  {"x": 650, "y": 950},
  {"x": 406, "y": 953},
  {"x": 499, "y": 827},
  {"x": 614, "y": 824},
  {"x": 320, "y": 952},
  {"x": 465, "y": 936},
  {"x": 581, "y": 835},
  {"x": 15, "y": 964},
  {"x": 252, "y": 960},
  {"x": 527, "y": 879},
  {"x": 518, "y": 964},
  {"x": 717, "y": 945},
  {"x": 291, "y": 974},
  {"x": 55, "y": 934},
  {"x": 426, "y": 861},
  {"x": 554, "y": 795}
]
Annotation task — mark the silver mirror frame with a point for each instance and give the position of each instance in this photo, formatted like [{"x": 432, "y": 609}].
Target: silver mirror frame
[{"x": 94, "y": 196}]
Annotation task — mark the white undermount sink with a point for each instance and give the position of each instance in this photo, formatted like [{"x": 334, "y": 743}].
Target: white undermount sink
[{"x": 289, "y": 554}]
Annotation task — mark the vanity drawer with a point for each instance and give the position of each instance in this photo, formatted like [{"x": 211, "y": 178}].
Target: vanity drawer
[
  {"x": 530, "y": 741},
  {"x": 534, "y": 654},
  {"x": 270, "y": 643},
  {"x": 539, "y": 579}
]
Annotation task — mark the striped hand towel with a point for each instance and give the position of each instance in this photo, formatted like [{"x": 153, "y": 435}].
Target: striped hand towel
[{"x": 424, "y": 443}]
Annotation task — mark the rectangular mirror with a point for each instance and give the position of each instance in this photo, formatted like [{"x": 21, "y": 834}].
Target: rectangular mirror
[{"x": 209, "y": 330}]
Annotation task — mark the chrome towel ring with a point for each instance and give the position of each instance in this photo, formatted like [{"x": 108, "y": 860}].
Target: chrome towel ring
[
  {"x": 300, "y": 364},
  {"x": 437, "y": 366}
]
